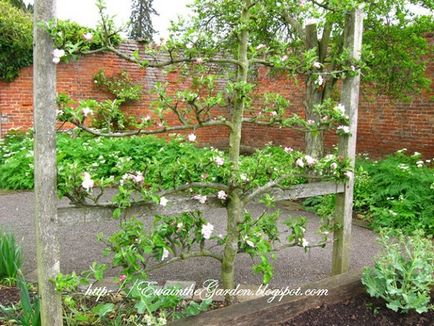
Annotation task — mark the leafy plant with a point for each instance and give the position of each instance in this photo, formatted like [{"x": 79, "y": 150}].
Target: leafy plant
[
  {"x": 396, "y": 192},
  {"x": 15, "y": 40},
  {"x": 403, "y": 274},
  {"x": 10, "y": 256},
  {"x": 27, "y": 312},
  {"x": 120, "y": 85},
  {"x": 16, "y": 37}
]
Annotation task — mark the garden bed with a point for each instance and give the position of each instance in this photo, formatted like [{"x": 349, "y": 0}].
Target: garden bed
[
  {"x": 359, "y": 310},
  {"x": 9, "y": 295},
  {"x": 346, "y": 304}
]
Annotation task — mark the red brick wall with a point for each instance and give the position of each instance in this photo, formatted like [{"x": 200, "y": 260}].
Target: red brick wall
[{"x": 384, "y": 126}]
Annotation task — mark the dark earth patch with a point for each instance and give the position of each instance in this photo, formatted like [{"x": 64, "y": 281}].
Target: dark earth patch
[{"x": 361, "y": 310}]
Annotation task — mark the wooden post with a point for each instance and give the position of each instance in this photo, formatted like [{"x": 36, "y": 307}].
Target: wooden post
[
  {"x": 350, "y": 99},
  {"x": 44, "y": 106}
]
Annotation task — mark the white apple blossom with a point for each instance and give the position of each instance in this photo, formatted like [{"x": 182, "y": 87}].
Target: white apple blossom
[
  {"x": 250, "y": 243},
  {"x": 309, "y": 160},
  {"x": 192, "y": 137},
  {"x": 219, "y": 161},
  {"x": 88, "y": 36},
  {"x": 58, "y": 53},
  {"x": 288, "y": 149},
  {"x": 344, "y": 129},
  {"x": 320, "y": 80},
  {"x": 341, "y": 108},
  {"x": 200, "y": 198},
  {"x": 222, "y": 195},
  {"x": 299, "y": 162},
  {"x": 163, "y": 201},
  {"x": 87, "y": 181},
  {"x": 207, "y": 230},
  {"x": 86, "y": 111},
  {"x": 165, "y": 254},
  {"x": 138, "y": 177},
  {"x": 310, "y": 122}
]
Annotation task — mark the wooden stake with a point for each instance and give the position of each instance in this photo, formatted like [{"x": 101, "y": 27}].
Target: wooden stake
[
  {"x": 350, "y": 99},
  {"x": 44, "y": 106}
]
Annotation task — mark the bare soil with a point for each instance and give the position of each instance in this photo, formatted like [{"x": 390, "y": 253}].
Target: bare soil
[{"x": 361, "y": 310}]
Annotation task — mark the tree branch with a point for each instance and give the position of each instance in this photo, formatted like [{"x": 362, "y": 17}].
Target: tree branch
[
  {"x": 169, "y": 62},
  {"x": 96, "y": 132},
  {"x": 203, "y": 253}
]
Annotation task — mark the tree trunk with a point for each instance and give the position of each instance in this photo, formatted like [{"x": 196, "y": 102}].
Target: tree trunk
[
  {"x": 235, "y": 206},
  {"x": 44, "y": 104},
  {"x": 314, "y": 140}
]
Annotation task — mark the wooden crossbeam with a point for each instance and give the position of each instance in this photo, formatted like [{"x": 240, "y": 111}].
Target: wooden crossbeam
[{"x": 180, "y": 204}]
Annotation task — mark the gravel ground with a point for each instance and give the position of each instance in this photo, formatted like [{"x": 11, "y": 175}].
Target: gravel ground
[{"x": 79, "y": 247}]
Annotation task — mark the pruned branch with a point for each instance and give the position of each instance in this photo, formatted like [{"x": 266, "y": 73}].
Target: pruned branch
[
  {"x": 182, "y": 256},
  {"x": 171, "y": 61},
  {"x": 99, "y": 133}
]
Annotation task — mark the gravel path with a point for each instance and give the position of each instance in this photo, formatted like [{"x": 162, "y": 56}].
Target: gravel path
[{"x": 79, "y": 247}]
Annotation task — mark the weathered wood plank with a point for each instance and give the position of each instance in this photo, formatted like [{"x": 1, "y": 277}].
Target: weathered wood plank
[
  {"x": 44, "y": 104},
  {"x": 261, "y": 312},
  {"x": 307, "y": 190},
  {"x": 347, "y": 147},
  {"x": 69, "y": 215}
]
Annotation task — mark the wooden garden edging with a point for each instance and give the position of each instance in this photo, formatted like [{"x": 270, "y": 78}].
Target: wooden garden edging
[{"x": 260, "y": 312}]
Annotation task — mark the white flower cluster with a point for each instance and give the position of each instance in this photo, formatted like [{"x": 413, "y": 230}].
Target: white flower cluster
[
  {"x": 57, "y": 54},
  {"x": 288, "y": 150},
  {"x": 192, "y": 137},
  {"x": 87, "y": 183},
  {"x": 222, "y": 195},
  {"x": 200, "y": 198},
  {"x": 136, "y": 177},
  {"x": 307, "y": 160},
  {"x": 343, "y": 130},
  {"x": 207, "y": 230},
  {"x": 86, "y": 111},
  {"x": 219, "y": 161},
  {"x": 163, "y": 201},
  {"x": 88, "y": 36}
]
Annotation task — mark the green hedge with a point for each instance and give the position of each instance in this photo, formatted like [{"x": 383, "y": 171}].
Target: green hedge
[{"x": 16, "y": 38}]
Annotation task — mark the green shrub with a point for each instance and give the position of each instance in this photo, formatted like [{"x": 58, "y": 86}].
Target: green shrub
[
  {"x": 403, "y": 274},
  {"x": 10, "y": 256},
  {"x": 15, "y": 40},
  {"x": 28, "y": 312},
  {"x": 397, "y": 192},
  {"x": 120, "y": 85}
]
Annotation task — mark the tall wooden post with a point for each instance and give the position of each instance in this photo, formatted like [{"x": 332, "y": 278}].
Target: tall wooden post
[
  {"x": 350, "y": 99},
  {"x": 44, "y": 106}
]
